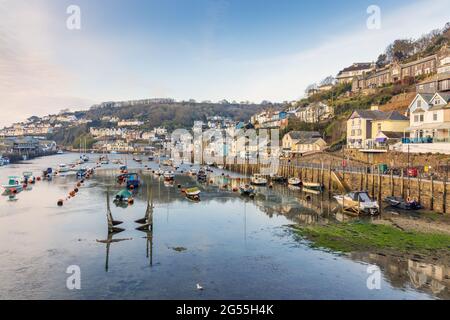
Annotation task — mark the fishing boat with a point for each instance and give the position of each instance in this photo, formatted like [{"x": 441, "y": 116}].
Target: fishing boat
[
  {"x": 400, "y": 203},
  {"x": 123, "y": 196},
  {"x": 151, "y": 158},
  {"x": 258, "y": 180},
  {"x": 247, "y": 190},
  {"x": 358, "y": 202},
  {"x": 193, "y": 194},
  {"x": 123, "y": 168},
  {"x": 138, "y": 160},
  {"x": 294, "y": 181},
  {"x": 169, "y": 176},
  {"x": 314, "y": 186},
  {"x": 13, "y": 186},
  {"x": 167, "y": 163},
  {"x": 159, "y": 172}
]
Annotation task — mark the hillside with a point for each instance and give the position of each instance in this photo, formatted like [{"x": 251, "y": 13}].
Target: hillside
[
  {"x": 172, "y": 115},
  {"x": 175, "y": 115}
]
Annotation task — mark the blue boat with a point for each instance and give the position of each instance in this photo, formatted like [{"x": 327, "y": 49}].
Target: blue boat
[{"x": 131, "y": 179}]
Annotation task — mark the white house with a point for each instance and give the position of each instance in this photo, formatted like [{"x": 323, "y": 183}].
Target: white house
[{"x": 429, "y": 124}]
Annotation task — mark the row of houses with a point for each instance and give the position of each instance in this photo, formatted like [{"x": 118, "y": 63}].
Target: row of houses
[{"x": 366, "y": 76}]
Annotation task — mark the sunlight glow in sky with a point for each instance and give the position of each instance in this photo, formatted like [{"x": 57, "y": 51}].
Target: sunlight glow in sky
[{"x": 201, "y": 49}]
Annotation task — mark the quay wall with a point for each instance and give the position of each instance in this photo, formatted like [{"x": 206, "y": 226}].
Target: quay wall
[{"x": 432, "y": 194}]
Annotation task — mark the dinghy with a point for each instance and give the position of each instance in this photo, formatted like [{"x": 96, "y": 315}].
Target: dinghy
[
  {"x": 258, "y": 180},
  {"x": 294, "y": 181},
  {"x": 400, "y": 203}
]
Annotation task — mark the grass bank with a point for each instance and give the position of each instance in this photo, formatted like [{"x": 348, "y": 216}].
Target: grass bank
[{"x": 360, "y": 236}]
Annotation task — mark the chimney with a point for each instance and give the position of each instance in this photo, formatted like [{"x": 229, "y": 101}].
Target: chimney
[{"x": 374, "y": 108}]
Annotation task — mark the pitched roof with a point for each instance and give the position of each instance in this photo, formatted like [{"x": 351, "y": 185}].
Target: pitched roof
[
  {"x": 380, "y": 115},
  {"x": 392, "y": 134},
  {"x": 357, "y": 67},
  {"x": 298, "y": 135},
  {"x": 309, "y": 140}
]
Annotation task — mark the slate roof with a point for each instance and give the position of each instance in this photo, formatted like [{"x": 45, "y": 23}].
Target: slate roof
[
  {"x": 299, "y": 135},
  {"x": 356, "y": 67},
  {"x": 380, "y": 115}
]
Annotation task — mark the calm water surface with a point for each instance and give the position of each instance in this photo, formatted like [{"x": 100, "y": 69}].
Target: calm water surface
[{"x": 233, "y": 247}]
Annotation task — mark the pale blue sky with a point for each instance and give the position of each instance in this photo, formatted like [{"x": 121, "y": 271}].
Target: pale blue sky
[{"x": 202, "y": 49}]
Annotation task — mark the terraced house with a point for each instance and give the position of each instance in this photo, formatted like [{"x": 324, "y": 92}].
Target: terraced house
[{"x": 438, "y": 63}]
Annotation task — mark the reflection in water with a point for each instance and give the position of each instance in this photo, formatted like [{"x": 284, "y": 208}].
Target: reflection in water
[
  {"x": 112, "y": 231},
  {"x": 402, "y": 272},
  {"x": 147, "y": 224},
  {"x": 231, "y": 240}
]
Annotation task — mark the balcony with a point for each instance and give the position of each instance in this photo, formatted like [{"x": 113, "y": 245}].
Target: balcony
[{"x": 425, "y": 140}]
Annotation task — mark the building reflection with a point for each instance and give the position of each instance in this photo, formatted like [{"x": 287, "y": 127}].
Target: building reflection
[{"x": 402, "y": 272}]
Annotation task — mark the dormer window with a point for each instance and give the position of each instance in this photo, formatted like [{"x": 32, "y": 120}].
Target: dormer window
[{"x": 437, "y": 102}]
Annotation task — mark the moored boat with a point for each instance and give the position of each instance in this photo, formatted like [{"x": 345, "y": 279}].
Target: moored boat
[
  {"x": 247, "y": 190},
  {"x": 400, "y": 203},
  {"x": 63, "y": 168},
  {"x": 123, "y": 196},
  {"x": 294, "y": 181},
  {"x": 13, "y": 186},
  {"x": 358, "y": 202},
  {"x": 258, "y": 180},
  {"x": 193, "y": 194},
  {"x": 28, "y": 177},
  {"x": 314, "y": 186},
  {"x": 169, "y": 176}
]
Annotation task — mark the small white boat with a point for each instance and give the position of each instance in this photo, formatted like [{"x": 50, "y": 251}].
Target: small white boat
[
  {"x": 314, "y": 186},
  {"x": 169, "y": 175},
  {"x": 113, "y": 152},
  {"x": 62, "y": 168},
  {"x": 60, "y": 152},
  {"x": 258, "y": 180},
  {"x": 358, "y": 202},
  {"x": 294, "y": 181}
]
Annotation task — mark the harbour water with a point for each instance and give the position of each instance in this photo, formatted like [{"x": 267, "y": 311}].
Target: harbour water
[{"x": 235, "y": 248}]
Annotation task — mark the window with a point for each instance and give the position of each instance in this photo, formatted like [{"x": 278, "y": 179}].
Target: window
[
  {"x": 435, "y": 116},
  {"x": 421, "y": 118},
  {"x": 437, "y": 102},
  {"x": 416, "y": 118},
  {"x": 379, "y": 127},
  {"x": 419, "y": 103}
]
